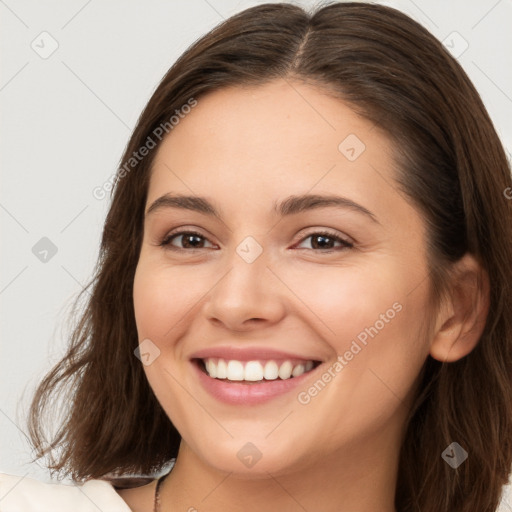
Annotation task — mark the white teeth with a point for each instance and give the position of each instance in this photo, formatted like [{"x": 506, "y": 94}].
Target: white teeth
[
  {"x": 298, "y": 370},
  {"x": 254, "y": 371},
  {"x": 211, "y": 368},
  {"x": 222, "y": 369},
  {"x": 271, "y": 371},
  {"x": 285, "y": 370},
  {"x": 235, "y": 370}
]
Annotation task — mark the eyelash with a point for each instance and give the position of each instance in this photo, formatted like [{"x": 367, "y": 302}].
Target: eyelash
[{"x": 166, "y": 242}]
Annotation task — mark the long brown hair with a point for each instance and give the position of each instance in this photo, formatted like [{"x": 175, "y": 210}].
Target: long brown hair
[{"x": 450, "y": 164}]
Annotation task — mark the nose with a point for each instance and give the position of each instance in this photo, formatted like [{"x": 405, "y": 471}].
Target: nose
[{"x": 248, "y": 296}]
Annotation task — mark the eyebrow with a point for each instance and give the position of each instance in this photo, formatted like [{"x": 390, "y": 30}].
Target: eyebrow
[{"x": 289, "y": 206}]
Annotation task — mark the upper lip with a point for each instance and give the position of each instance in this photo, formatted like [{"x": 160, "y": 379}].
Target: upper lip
[{"x": 247, "y": 354}]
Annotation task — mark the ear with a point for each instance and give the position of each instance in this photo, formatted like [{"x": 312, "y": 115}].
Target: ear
[{"x": 461, "y": 320}]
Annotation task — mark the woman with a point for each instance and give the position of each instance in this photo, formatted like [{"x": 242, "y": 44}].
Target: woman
[{"x": 303, "y": 291}]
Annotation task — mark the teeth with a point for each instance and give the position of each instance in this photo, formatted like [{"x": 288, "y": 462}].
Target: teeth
[
  {"x": 285, "y": 370},
  {"x": 211, "y": 368},
  {"x": 298, "y": 370},
  {"x": 271, "y": 371},
  {"x": 254, "y": 371},
  {"x": 222, "y": 369},
  {"x": 235, "y": 370}
]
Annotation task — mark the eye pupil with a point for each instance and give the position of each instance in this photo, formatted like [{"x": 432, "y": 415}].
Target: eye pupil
[
  {"x": 323, "y": 243},
  {"x": 196, "y": 244}
]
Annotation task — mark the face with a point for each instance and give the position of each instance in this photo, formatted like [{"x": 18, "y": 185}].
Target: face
[{"x": 254, "y": 282}]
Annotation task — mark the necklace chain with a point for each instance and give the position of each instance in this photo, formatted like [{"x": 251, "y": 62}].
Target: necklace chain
[{"x": 157, "y": 493}]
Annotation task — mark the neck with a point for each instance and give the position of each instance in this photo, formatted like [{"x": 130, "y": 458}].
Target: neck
[{"x": 361, "y": 478}]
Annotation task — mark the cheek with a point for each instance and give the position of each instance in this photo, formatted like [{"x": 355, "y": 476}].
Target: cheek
[
  {"x": 358, "y": 302},
  {"x": 163, "y": 296},
  {"x": 372, "y": 319}
]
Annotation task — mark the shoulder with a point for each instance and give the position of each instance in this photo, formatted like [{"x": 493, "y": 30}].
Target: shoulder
[{"x": 22, "y": 493}]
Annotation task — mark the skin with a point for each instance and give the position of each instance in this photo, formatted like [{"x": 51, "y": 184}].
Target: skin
[{"x": 244, "y": 149}]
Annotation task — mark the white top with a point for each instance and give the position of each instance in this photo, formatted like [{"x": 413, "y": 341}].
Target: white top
[{"x": 24, "y": 494}]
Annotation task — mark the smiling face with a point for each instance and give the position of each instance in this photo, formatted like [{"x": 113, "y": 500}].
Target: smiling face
[{"x": 266, "y": 276}]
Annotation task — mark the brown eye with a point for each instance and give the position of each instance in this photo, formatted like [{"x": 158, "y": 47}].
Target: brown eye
[
  {"x": 186, "y": 239},
  {"x": 326, "y": 240}
]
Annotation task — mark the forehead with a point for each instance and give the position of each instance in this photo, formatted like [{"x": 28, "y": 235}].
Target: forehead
[
  {"x": 253, "y": 145},
  {"x": 285, "y": 116}
]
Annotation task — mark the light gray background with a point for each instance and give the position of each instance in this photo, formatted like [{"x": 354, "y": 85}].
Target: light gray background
[{"x": 66, "y": 120}]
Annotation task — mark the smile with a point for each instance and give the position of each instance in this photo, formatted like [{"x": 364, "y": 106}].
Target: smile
[
  {"x": 252, "y": 376},
  {"x": 256, "y": 370}
]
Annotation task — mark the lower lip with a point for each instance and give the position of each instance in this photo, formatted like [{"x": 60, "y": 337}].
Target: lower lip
[{"x": 240, "y": 393}]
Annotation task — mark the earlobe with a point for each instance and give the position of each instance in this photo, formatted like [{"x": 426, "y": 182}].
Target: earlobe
[{"x": 462, "y": 319}]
